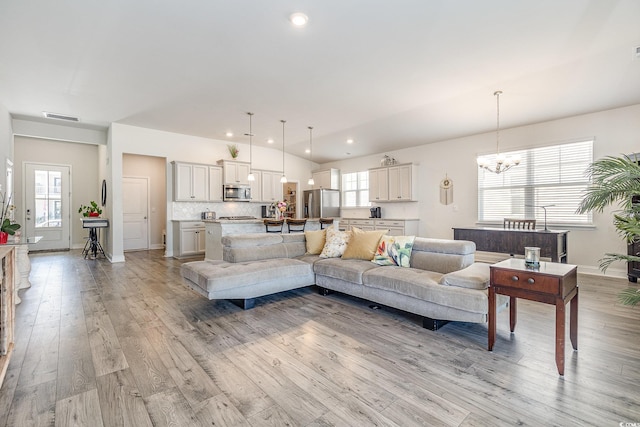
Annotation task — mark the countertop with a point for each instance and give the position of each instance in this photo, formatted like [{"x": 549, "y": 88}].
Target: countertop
[
  {"x": 260, "y": 220},
  {"x": 383, "y": 219}
]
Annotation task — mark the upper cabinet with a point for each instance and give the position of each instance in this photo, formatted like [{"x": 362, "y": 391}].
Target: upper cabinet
[
  {"x": 379, "y": 185},
  {"x": 401, "y": 183},
  {"x": 194, "y": 182},
  {"x": 327, "y": 178},
  {"x": 190, "y": 182},
  {"x": 235, "y": 172},
  {"x": 215, "y": 184},
  {"x": 271, "y": 186},
  {"x": 395, "y": 183},
  {"x": 256, "y": 186}
]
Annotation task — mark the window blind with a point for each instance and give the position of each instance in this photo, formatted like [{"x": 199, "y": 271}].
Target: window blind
[{"x": 552, "y": 175}]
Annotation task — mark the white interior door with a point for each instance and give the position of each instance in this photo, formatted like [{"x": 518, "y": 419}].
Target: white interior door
[
  {"x": 47, "y": 213},
  {"x": 135, "y": 202}
]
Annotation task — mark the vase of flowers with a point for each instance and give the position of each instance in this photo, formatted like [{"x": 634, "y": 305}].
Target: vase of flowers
[
  {"x": 7, "y": 225},
  {"x": 279, "y": 208}
]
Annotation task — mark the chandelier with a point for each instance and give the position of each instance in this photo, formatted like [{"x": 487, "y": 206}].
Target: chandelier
[{"x": 503, "y": 163}]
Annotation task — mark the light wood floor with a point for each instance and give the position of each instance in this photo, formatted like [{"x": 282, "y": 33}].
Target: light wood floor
[{"x": 128, "y": 345}]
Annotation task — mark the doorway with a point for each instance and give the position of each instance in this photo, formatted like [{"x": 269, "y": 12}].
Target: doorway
[
  {"x": 290, "y": 195},
  {"x": 135, "y": 210},
  {"x": 47, "y": 205}
]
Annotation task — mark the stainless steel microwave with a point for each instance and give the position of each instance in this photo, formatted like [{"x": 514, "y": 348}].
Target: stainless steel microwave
[{"x": 237, "y": 193}]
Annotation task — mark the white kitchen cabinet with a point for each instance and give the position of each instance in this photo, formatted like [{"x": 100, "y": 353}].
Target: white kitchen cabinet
[
  {"x": 396, "y": 227},
  {"x": 215, "y": 184},
  {"x": 189, "y": 238},
  {"x": 328, "y": 178},
  {"x": 401, "y": 183},
  {"x": 379, "y": 185},
  {"x": 395, "y": 183},
  {"x": 362, "y": 224},
  {"x": 190, "y": 182},
  {"x": 256, "y": 186},
  {"x": 402, "y": 227},
  {"x": 271, "y": 186},
  {"x": 235, "y": 172}
]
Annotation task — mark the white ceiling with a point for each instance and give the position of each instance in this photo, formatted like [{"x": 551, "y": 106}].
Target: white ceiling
[{"x": 388, "y": 74}]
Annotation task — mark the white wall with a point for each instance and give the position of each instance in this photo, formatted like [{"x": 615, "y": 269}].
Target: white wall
[
  {"x": 6, "y": 145},
  {"x": 83, "y": 160},
  {"x": 59, "y": 131},
  {"x": 172, "y": 146},
  {"x": 615, "y": 131}
]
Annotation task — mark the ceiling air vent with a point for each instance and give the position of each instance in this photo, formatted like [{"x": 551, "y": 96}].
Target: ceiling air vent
[{"x": 59, "y": 117}]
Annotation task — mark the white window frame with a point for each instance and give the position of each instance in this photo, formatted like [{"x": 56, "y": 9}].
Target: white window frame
[
  {"x": 547, "y": 175},
  {"x": 361, "y": 189}
]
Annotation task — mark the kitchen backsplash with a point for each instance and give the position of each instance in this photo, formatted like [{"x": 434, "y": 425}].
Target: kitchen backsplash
[{"x": 192, "y": 210}]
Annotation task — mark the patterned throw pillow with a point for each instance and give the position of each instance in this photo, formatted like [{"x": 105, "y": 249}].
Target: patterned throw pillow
[
  {"x": 394, "y": 250},
  {"x": 335, "y": 244}
]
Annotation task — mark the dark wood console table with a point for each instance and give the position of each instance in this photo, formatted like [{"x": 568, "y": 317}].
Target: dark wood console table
[
  {"x": 552, "y": 243},
  {"x": 551, "y": 283}
]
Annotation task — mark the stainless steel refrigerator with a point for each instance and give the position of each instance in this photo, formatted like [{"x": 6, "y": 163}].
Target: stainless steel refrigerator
[{"x": 321, "y": 203}]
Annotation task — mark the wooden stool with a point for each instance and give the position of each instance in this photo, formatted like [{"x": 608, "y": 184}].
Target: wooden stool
[
  {"x": 296, "y": 225},
  {"x": 325, "y": 222},
  {"x": 273, "y": 225}
]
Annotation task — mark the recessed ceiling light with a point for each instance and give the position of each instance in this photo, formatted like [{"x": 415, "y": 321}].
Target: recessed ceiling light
[
  {"x": 299, "y": 19},
  {"x": 349, "y": 141},
  {"x": 270, "y": 140},
  {"x": 307, "y": 151},
  {"x": 229, "y": 134}
]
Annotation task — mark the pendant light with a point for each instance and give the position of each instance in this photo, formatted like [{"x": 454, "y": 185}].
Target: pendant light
[
  {"x": 250, "y": 177},
  {"x": 503, "y": 163},
  {"x": 283, "y": 179},
  {"x": 311, "y": 181}
]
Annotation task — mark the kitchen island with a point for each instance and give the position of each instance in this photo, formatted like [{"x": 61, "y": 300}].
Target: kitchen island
[{"x": 217, "y": 228}]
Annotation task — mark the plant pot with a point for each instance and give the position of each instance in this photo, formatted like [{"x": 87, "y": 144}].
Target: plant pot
[
  {"x": 3, "y": 237},
  {"x": 94, "y": 214}
]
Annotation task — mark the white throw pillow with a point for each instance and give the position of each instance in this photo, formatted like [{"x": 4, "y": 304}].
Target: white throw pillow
[{"x": 336, "y": 242}]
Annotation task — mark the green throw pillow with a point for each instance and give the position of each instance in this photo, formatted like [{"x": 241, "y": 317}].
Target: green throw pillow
[{"x": 394, "y": 250}]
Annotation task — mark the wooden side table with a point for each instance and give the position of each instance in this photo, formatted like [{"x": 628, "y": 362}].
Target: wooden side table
[{"x": 551, "y": 283}]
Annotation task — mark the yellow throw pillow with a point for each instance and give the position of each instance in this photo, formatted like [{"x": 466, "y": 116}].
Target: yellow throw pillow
[
  {"x": 363, "y": 244},
  {"x": 315, "y": 241}
]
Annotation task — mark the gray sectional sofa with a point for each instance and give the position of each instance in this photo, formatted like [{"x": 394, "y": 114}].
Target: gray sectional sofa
[{"x": 442, "y": 284}]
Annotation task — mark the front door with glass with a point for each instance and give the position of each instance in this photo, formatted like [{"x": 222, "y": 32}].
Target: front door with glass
[{"x": 47, "y": 205}]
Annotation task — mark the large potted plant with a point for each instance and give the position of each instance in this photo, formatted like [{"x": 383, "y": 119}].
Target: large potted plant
[{"x": 616, "y": 180}]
